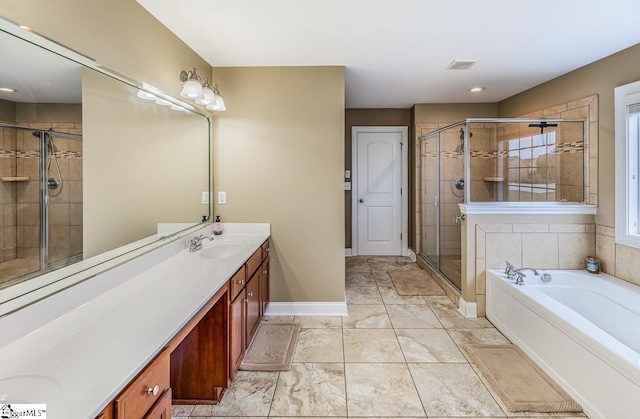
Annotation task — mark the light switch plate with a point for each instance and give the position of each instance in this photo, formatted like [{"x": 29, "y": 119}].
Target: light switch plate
[
  {"x": 347, "y": 186},
  {"x": 222, "y": 197},
  {"x": 205, "y": 197}
]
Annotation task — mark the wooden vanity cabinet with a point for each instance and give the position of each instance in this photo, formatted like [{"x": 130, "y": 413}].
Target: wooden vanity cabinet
[
  {"x": 247, "y": 307},
  {"x": 253, "y": 307},
  {"x": 149, "y": 392}
]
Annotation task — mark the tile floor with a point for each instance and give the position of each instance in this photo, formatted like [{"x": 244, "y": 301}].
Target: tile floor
[{"x": 393, "y": 356}]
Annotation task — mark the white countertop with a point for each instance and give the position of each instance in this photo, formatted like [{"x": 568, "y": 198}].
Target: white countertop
[{"x": 81, "y": 358}]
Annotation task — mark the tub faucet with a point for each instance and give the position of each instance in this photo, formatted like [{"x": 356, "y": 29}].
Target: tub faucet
[
  {"x": 516, "y": 274},
  {"x": 195, "y": 243}
]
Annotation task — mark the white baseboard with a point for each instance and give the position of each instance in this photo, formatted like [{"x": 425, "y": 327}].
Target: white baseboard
[
  {"x": 347, "y": 252},
  {"x": 468, "y": 309},
  {"x": 412, "y": 255},
  {"x": 307, "y": 309}
]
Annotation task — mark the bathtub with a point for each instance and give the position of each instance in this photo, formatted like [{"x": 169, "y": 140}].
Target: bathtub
[{"x": 581, "y": 329}]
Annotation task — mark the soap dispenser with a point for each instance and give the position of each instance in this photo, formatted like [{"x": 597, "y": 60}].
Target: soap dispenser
[{"x": 217, "y": 227}]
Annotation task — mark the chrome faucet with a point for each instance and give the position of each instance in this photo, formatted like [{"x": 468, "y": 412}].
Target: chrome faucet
[
  {"x": 516, "y": 274},
  {"x": 195, "y": 243}
]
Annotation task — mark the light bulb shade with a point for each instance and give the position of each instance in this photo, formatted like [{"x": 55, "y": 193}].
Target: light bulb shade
[
  {"x": 192, "y": 89},
  {"x": 163, "y": 102},
  {"x": 146, "y": 96},
  {"x": 207, "y": 96},
  {"x": 218, "y": 105}
]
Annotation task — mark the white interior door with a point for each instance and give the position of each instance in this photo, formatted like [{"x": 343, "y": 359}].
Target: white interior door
[{"x": 378, "y": 193}]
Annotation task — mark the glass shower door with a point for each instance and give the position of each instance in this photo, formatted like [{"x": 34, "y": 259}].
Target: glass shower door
[
  {"x": 451, "y": 194},
  {"x": 429, "y": 199}
]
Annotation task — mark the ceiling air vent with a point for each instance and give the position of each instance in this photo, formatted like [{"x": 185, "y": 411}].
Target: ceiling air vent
[{"x": 461, "y": 64}]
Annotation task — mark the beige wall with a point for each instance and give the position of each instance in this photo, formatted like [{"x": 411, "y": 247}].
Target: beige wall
[
  {"x": 143, "y": 164},
  {"x": 279, "y": 155},
  {"x": 48, "y": 112},
  {"x": 600, "y": 78},
  {"x": 7, "y": 111},
  {"x": 368, "y": 117},
  {"x": 118, "y": 33}
]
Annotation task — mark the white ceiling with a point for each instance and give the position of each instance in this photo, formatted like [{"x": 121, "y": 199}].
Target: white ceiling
[
  {"x": 396, "y": 52},
  {"x": 38, "y": 75}
]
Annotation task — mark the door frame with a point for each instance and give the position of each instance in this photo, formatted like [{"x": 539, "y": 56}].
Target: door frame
[{"x": 404, "y": 170}]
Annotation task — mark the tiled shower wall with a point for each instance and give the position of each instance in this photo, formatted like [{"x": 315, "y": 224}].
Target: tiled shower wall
[
  {"x": 8, "y": 196},
  {"x": 484, "y": 150},
  {"x": 65, "y": 209},
  {"x": 20, "y": 221}
]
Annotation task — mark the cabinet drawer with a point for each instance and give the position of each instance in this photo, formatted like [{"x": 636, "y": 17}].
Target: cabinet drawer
[
  {"x": 237, "y": 282},
  {"x": 136, "y": 400},
  {"x": 162, "y": 408},
  {"x": 253, "y": 263},
  {"x": 265, "y": 250}
]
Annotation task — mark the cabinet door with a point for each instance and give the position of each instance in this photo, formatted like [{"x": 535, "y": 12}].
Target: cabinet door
[
  {"x": 236, "y": 333},
  {"x": 162, "y": 408},
  {"x": 264, "y": 286},
  {"x": 253, "y": 306}
]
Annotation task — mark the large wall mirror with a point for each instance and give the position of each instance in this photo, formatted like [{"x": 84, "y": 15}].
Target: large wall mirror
[{"x": 91, "y": 162}]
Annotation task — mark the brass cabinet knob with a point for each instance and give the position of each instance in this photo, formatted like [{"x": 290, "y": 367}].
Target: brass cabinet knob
[{"x": 153, "y": 390}]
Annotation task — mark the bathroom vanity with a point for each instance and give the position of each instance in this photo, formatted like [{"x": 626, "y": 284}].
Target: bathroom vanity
[{"x": 171, "y": 325}]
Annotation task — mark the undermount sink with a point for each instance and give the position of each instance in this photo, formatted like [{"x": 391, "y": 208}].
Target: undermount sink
[
  {"x": 29, "y": 389},
  {"x": 222, "y": 249}
]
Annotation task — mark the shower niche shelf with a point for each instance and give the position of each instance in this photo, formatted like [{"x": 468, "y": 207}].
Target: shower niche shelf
[{"x": 15, "y": 178}]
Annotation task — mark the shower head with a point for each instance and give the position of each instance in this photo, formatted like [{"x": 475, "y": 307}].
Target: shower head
[{"x": 542, "y": 125}]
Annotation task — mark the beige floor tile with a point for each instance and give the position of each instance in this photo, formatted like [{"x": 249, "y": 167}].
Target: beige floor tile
[
  {"x": 357, "y": 265},
  {"x": 178, "y": 410},
  {"x": 477, "y": 336},
  {"x": 453, "y": 390},
  {"x": 391, "y": 296},
  {"x": 371, "y": 345},
  {"x": 311, "y": 389},
  {"x": 451, "y": 318},
  {"x": 353, "y": 279},
  {"x": 319, "y": 322},
  {"x": 410, "y": 316},
  {"x": 280, "y": 319},
  {"x": 381, "y": 390},
  {"x": 382, "y": 259},
  {"x": 384, "y": 266},
  {"x": 319, "y": 345},
  {"x": 410, "y": 266},
  {"x": 383, "y": 280},
  {"x": 403, "y": 259},
  {"x": 250, "y": 394},
  {"x": 367, "y": 317},
  {"x": 363, "y": 295},
  {"x": 428, "y": 345}
]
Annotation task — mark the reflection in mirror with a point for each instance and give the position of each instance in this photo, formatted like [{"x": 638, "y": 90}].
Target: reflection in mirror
[{"x": 88, "y": 165}]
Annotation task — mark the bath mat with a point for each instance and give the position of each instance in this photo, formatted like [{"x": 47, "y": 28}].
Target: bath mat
[
  {"x": 519, "y": 382},
  {"x": 272, "y": 347},
  {"x": 415, "y": 282}
]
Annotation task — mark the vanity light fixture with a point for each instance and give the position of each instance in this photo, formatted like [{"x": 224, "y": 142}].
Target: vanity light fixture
[{"x": 198, "y": 88}]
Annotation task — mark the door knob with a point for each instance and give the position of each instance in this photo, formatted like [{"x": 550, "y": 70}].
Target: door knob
[{"x": 361, "y": 200}]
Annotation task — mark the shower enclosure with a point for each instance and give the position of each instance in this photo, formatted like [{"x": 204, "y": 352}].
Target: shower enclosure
[
  {"x": 492, "y": 160},
  {"x": 41, "y": 224}
]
